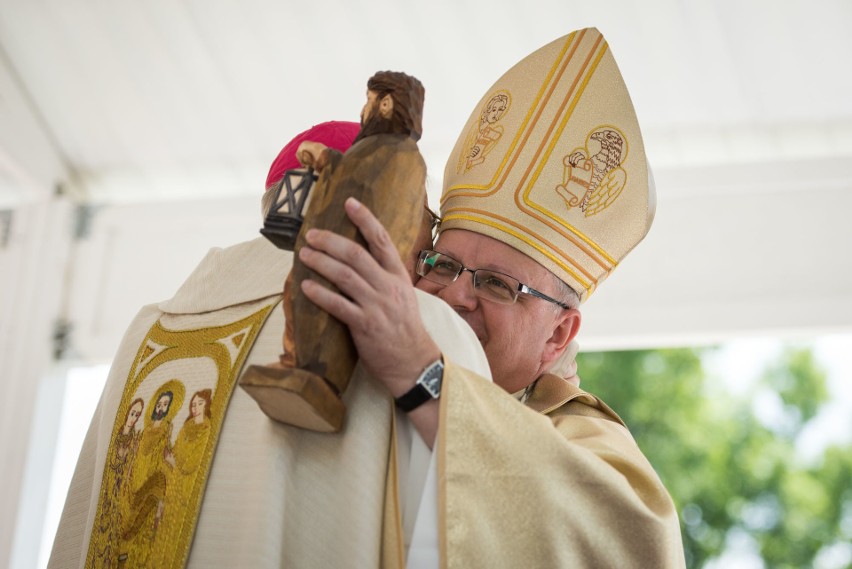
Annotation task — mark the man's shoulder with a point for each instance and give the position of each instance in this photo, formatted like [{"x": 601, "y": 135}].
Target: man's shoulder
[
  {"x": 232, "y": 275},
  {"x": 557, "y": 397},
  {"x": 590, "y": 406}
]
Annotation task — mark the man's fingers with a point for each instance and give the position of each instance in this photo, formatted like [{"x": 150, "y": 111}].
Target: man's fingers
[
  {"x": 332, "y": 302},
  {"x": 375, "y": 234},
  {"x": 347, "y": 279}
]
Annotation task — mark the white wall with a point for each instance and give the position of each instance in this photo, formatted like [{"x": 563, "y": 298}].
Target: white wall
[
  {"x": 735, "y": 250},
  {"x": 32, "y": 271}
]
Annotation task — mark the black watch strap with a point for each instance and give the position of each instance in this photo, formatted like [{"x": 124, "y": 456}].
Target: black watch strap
[{"x": 427, "y": 387}]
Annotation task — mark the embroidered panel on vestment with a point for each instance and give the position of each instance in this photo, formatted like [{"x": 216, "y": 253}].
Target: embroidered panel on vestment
[{"x": 164, "y": 436}]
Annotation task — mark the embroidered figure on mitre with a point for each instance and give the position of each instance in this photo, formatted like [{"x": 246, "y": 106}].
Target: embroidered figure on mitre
[
  {"x": 593, "y": 177},
  {"x": 482, "y": 138}
]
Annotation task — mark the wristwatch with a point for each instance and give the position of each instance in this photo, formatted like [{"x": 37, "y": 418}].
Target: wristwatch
[{"x": 427, "y": 387}]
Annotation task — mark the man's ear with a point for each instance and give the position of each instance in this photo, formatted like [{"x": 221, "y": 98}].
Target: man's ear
[
  {"x": 567, "y": 327},
  {"x": 386, "y": 106}
]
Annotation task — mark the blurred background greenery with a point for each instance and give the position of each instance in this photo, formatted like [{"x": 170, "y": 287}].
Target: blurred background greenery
[{"x": 739, "y": 477}]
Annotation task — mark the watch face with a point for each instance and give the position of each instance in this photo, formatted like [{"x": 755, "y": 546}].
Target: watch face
[{"x": 432, "y": 380}]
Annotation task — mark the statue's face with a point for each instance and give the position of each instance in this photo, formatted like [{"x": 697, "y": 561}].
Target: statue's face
[{"x": 370, "y": 107}]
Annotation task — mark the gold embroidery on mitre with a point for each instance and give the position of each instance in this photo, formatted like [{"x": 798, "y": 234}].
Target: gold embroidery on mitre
[
  {"x": 156, "y": 469},
  {"x": 593, "y": 177},
  {"x": 482, "y": 137},
  {"x": 559, "y": 174}
]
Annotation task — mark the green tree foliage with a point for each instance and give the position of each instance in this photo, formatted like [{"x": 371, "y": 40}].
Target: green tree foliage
[{"x": 728, "y": 471}]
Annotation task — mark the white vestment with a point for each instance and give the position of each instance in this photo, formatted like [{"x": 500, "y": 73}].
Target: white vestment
[{"x": 278, "y": 496}]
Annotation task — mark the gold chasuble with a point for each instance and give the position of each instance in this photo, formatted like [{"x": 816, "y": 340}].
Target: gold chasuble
[
  {"x": 557, "y": 482},
  {"x": 180, "y": 382},
  {"x": 551, "y": 163}
]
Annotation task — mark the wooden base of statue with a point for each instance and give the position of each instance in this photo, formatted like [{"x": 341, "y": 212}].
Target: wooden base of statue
[
  {"x": 296, "y": 397},
  {"x": 387, "y": 174}
]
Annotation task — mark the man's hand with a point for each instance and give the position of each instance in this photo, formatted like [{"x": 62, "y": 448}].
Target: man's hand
[{"x": 376, "y": 299}]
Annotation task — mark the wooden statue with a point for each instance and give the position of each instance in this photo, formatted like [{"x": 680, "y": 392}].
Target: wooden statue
[{"x": 385, "y": 171}]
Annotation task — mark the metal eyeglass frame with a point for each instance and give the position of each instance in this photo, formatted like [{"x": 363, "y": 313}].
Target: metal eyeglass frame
[{"x": 522, "y": 288}]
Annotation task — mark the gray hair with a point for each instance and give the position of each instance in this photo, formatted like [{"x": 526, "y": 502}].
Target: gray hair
[{"x": 565, "y": 293}]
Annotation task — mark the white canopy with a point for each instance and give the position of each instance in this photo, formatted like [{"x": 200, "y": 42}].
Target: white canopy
[{"x": 136, "y": 135}]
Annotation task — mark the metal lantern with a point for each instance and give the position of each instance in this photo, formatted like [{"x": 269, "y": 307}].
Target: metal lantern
[{"x": 285, "y": 216}]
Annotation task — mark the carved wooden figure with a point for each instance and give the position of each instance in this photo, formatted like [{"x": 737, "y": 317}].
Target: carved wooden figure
[{"x": 386, "y": 172}]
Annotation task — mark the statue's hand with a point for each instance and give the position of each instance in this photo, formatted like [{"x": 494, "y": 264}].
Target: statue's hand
[{"x": 313, "y": 154}]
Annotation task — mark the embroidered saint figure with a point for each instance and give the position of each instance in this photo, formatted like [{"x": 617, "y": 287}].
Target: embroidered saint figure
[
  {"x": 481, "y": 140},
  {"x": 182, "y": 468},
  {"x": 162, "y": 444},
  {"x": 115, "y": 487},
  {"x": 149, "y": 479}
]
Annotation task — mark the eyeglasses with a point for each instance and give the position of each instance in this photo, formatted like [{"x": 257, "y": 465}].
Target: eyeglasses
[
  {"x": 490, "y": 285},
  {"x": 434, "y": 221}
]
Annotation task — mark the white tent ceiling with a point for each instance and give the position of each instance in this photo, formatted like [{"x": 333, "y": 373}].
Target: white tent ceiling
[
  {"x": 746, "y": 108},
  {"x": 125, "y": 101},
  {"x": 120, "y": 105}
]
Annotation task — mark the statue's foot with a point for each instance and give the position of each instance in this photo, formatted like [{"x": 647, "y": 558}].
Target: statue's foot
[{"x": 295, "y": 397}]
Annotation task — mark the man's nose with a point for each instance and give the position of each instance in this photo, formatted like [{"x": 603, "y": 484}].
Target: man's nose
[{"x": 460, "y": 294}]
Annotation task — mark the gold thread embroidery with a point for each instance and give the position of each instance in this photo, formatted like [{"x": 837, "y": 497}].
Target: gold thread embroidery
[
  {"x": 593, "y": 180},
  {"x": 601, "y": 48},
  {"x": 587, "y": 285},
  {"x": 153, "y": 481},
  {"x": 458, "y": 213},
  {"x": 544, "y": 96},
  {"x": 238, "y": 339},
  {"x": 484, "y": 136},
  {"x": 526, "y": 126}
]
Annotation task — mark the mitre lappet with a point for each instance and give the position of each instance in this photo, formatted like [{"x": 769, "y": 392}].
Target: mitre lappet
[{"x": 385, "y": 171}]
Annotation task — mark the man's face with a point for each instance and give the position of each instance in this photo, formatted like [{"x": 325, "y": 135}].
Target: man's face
[
  {"x": 520, "y": 340},
  {"x": 161, "y": 409}
]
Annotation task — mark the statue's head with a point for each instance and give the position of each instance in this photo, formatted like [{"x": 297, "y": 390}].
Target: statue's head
[{"x": 394, "y": 105}]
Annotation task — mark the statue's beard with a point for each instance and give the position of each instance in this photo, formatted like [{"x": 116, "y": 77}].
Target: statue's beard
[{"x": 375, "y": 124}]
